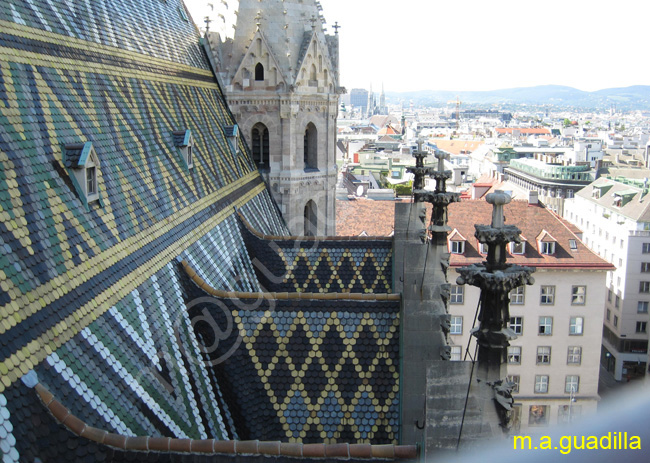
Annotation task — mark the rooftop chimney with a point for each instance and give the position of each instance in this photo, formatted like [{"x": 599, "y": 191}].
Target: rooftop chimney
[{"x": 533, "y": 197}]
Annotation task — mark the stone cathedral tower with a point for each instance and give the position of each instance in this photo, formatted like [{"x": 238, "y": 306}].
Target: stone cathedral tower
[{"x": 281, "y": 78}]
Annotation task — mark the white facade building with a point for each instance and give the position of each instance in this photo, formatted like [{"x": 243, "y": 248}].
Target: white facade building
[{"x": 615, "y": 219}]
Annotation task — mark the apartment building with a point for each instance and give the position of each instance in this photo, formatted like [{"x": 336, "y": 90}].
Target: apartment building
[
  {"x": 615, "y": 219},
  {"x": 554, "y": 361},
  {"x": 558, "y": 320}
]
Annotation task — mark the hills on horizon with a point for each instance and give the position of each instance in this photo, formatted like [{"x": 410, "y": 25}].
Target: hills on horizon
[{"x": 635, "y": 97}]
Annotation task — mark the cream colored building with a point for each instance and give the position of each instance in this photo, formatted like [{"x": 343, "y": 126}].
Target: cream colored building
[
  {"x": 558, "y": 320},
  {"x": 281, "y": 78}
]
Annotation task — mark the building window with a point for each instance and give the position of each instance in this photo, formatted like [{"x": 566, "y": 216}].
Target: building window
[
  {"x": 514, "y": 355},
  {"x": 568, "y": 413},
  {"x": 642, "y": 307},
  {"x": 456, "y": 325},
  {"x": 548, "y": 247},
  {"x": 646, "y": 248},
  {"x": 483, "y": 248},
  {"x": 310, "y": 221},
  {"x": 645, "y": 267},
  {"x": 541, "y": 384},
  {"x": 644, "y": 286},
  {"x": 609, "y": 295},
  {"x": 260, "y": 139},
  {"x": 547, "y": 295},
  {"x": 259, "y": 72},
  {"x": 617, "y": 301},
  {"x": 573, "y": 245},
  {"x": 517, "y": 324},
  {"x": 576, "y": 326},
  {"x": 517, "y": 248},
  {"x": 310, "y": 153},
  {"x": 609, "y": 314},
  {"x": 184, "y": 141},
  {"x": 457, "y": 294},
  {"x": 546, "y": 326},
  {"x": 457, "y": 247},
  {"x": 578, "y": 295},
  {"x": 571, "y": 383},
  {"x": 83, "y": 163},
  {"x": 543, "y": 355},
  {"x": 514, "y": 380},
  {"x": 538, "y": 415},
  {"x": 91, "y": 180},
  {"x": 517, "y": 295},
  {"x": 615, "y": 320},
  {"x": 456, "y": 352},
  {"x": 641, "y": 327},
  {"x": 574, "y": 355},
  {"x": 569, "y": 194}
]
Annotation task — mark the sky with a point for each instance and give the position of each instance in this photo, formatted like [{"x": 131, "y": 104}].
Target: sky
[{"x": 462, "y": 45}]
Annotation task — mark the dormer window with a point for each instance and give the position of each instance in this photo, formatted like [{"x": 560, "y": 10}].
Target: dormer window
[
  {"x": 232, "y": 135},
  {"x": 596, "y": 193},
  {"x": 82, "y": 162},
  {"x": 456, "y": 242},
  {"x": 547, "y": 248},
  {"x": 621, "y": 198},
  {"x": 483, "y": 248},
  {"x": 184, "y": 141},
  {"x": 457, "y": 247},
  {"x": 518, "y": 248},
  {"x": 546, "y": 243}
]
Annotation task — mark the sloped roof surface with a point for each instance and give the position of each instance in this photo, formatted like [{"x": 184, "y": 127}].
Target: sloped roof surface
[
  {"x": 637, "y": 208},
  {"x": 355, "y": 216},
  {"x": 296, "y": 264},
  {"x": 306, "y": 370},
  {"x": 91, "y": 300}
]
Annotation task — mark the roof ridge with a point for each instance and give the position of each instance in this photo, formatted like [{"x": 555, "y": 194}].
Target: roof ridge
[
  {"x": 201, "y": 283},
  {"x": 214, "y": 446}
]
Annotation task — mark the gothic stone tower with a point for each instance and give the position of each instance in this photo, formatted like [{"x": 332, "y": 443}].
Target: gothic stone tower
[{"x": 280, "y": 75}]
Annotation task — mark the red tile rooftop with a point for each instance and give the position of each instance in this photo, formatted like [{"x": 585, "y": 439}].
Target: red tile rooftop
[{"x": 376, "y": 218}]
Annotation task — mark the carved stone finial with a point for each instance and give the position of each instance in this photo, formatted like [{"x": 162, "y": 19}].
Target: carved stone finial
[
  {"x": 498, "y": 199},
  {"x": 440, "y": 156}
]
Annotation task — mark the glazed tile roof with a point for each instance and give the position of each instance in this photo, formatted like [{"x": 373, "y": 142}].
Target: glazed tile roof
[
  {"x": 304, "y": 367},
  {"x": 321, "y": 265},
  {"x": 91, "y": 298}
]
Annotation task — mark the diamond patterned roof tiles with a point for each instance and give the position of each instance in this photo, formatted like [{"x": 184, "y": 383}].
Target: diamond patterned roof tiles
[
  {"x": 321, "y": 265},
  {"x": 89, "y": 296},
  {"x": 92, "y": 300}
]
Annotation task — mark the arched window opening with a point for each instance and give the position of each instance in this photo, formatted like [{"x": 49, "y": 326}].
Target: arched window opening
[
  {"x": 310, "y": 154},
  {"x": 259, "y": 72},
  {"x": 313, "y": 76},
  {"x": 311, "y": 225},
  {"x": 260, "y": 139}
]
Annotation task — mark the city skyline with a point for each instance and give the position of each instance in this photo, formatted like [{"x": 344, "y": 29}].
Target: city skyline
[{"x": 477, "y": 46}]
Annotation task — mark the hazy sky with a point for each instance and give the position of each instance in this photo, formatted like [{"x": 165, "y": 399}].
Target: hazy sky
[{"x": 479, "y": 45}]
